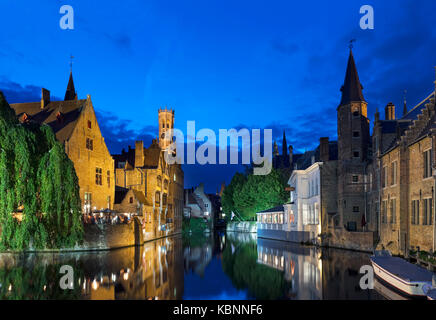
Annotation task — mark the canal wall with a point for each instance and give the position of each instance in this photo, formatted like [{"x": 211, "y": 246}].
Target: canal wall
[
  {"x": 358, "y": 241},
  {"x": 246, "y": 226}
]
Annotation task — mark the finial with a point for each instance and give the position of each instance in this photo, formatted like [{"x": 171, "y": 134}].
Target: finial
[
  {"x": 405, "y": 103},
  {"x": 351, "y": 43},
  {"x": 71, "y": 63}
]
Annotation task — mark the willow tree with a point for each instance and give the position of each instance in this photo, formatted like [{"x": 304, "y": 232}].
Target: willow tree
[{"x": 38, "y": 180}]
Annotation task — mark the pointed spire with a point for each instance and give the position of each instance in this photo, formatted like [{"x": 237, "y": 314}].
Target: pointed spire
[
  {"x": 285, "y": 145},
  {"x": 352, "y": 88},
  {"x": 405, "y": 104},
  {"x": 70, "y": 94},
  {"x": 276, "y": 149}
]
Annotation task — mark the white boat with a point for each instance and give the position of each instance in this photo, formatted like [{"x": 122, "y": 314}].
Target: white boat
[
  {"x": 407, "y": 278},
  {"x": 431, "y": 295},
  {"x": 387, "y": 292}
]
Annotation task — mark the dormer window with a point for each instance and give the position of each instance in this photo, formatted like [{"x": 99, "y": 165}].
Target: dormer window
[
  {"x": 89, "y": 124},
  {"x": 60, "y": 117}
]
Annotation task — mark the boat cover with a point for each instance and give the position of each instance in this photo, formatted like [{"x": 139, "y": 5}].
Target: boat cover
[
  {"x": 403, "y": 269},
  {"x": 432, "y": 294}
]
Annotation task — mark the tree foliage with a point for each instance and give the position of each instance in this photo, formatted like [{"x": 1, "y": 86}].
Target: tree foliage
[
  {"x": 247, "y": 195},
  {"x": 38, "y": 179}
]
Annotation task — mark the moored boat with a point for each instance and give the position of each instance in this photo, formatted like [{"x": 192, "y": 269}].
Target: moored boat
[{"x": 407, "y": 278}]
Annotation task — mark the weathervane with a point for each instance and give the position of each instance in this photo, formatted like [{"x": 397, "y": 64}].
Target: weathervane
[{"x": 351, "y": 43}]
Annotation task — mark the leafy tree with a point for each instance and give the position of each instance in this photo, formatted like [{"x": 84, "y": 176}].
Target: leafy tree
[
  {"x": 38, "y": 179},
  {"x": 258, "y": 193},
  {"x": 227, "y": 202}
]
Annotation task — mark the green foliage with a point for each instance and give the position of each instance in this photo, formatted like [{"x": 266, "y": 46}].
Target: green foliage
[
  {"x": 37, "y": 178},
  {"x": 195, "y": 226},
  {"x": 38, "y": 283},
  {"x": 248, "y": 195},
  {"x": 262, "y": 282}
]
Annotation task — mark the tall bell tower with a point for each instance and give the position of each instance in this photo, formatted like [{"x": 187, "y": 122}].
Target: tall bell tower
[{"x": 166, "y": 123}]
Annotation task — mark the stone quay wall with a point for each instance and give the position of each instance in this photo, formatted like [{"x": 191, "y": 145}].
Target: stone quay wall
[{"x": 358, "y": 241}]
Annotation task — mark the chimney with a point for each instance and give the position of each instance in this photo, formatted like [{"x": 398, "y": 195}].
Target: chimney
[
  {"x": 390, "y": 111},
  {"x": 324, "y": 149},
  {"x": 45, "y": 98},
  {"x": 139, "y": 154},
  {"x": 291, "y": 155}
]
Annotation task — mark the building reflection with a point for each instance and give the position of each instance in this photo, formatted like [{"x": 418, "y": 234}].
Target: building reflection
[
  {"x": 153, "y": 272},
  {"x": 316, "y": 273}
]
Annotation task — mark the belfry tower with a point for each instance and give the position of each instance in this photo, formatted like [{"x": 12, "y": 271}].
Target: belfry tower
[
  {"x": 353, "y": 147},
  {"x": 166, "y": 123}
]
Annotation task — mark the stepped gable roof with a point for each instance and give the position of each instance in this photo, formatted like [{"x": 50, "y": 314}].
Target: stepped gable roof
[{"x": 61, "y": 116}]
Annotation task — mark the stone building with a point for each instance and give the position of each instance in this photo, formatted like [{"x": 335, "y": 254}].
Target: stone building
[
  {"x": 75, "y": 125},
  {"x": 156, "y": 187},
  {"x": 405, "y": 152}
]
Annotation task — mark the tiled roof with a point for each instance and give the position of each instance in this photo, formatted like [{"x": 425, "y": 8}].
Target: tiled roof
[{"x": 61, "y": 116}]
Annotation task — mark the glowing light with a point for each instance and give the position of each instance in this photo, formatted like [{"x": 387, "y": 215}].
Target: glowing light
[
  {"x": 95, "y": 285},
  {"x": 10, "y": 287},
  {"x": 126, "y": 276}
]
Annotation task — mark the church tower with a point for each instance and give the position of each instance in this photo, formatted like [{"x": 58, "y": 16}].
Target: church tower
[
  {"x": 353, "y": 123},
  {"x": 166, "y": 123},
  {"x": 353, "y": 148}
]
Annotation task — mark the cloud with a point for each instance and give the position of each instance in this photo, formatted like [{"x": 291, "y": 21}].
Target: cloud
[
  {"x": 121, "y": 41},
  {"x": 16, "y": 93},
  {"x": 118, "y": 133},
  {"x": 284, "y": 47}
]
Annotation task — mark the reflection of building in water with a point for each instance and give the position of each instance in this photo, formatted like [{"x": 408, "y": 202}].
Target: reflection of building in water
[
  {"x": 302, "y": 267},
  {"x": 316, "y": 273},
  {"x": 197, "y": 258},
  {"x": 151, "y": 272}
]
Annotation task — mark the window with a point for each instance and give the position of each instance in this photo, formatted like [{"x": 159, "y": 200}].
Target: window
[
  {"x": 393, "y": 212},
  {"x": 166, "y": 184},
  {"x": 164, "y": 199},
  {"x": 384, "y": 177},
  {"x": 427, "y": 215},
  {"x": 356, "y": 209},
  {"x": 131, "y": 200},
  {"x": 356, "y": 154},
  {"x": 427, "y": 164},
  {"x": 356, "y": 134},
  {"x": 159, "y": 181},
  {"x": 89, "y": 124},
  {"x": 384, "y": 211},
  {"x": 98, "y": 179},
  {"x": 88, "y": 200},
  {"x": 394, "y": 173},
  {"x": 157, "y": 198},
  {"x": 415, "y": 212},
  {"x": 89, "y": 144},
  {"x": 108, "y": 179},
  {"x": 355, "y": 179},
  {"x": 356, "y": 113}
]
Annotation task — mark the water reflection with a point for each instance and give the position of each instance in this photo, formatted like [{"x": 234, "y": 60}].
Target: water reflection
[{"x": 215, "y": 266}]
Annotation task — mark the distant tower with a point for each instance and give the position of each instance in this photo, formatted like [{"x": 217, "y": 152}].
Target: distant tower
[
  {"x": 285, "y": 145},
  {"x": 166, "y": 123},
  {"x": 405, "y": 103}
]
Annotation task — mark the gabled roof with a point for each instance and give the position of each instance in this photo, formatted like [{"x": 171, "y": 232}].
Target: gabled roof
[
  {"x": 352, "y": 88},
  {"x": 61, "y": 116}
]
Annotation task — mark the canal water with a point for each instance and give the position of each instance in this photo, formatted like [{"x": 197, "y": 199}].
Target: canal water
[{"x": 218, "y": 266}]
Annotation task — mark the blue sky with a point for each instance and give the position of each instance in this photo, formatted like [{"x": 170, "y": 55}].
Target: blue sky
[{"x": 224, "y": 64}]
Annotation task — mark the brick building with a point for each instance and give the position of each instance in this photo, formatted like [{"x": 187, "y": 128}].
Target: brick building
[
  {"x": 75, "y": 125},
  {"x": 150, "y": 187}
]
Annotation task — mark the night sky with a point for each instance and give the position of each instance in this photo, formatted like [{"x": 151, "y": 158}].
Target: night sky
[{"x": 253, "y": 64}]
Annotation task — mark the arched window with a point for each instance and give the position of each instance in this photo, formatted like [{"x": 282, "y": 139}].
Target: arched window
[
  {"x": 164, "y": 199},
  {"x": 166, "y": 184},
  {"x": 159, "y": 181}
]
